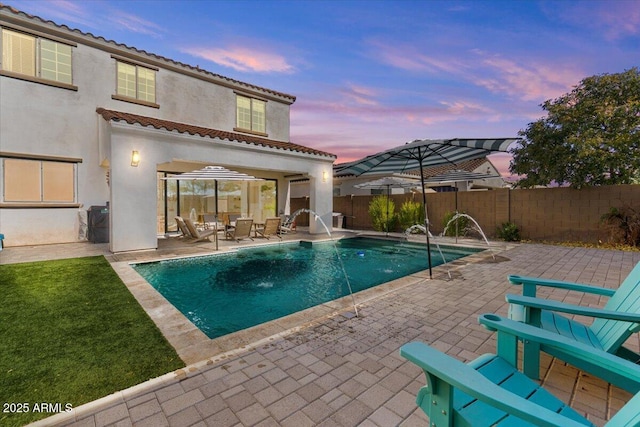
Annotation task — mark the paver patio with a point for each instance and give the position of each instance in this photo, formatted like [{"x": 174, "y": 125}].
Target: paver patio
[{"x": 341, "y": 370}]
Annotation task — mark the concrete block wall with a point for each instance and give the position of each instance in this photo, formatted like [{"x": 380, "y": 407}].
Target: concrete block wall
[{"x": 554, "y": 214}]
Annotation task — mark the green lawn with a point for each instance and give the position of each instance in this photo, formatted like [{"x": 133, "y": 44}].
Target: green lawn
[{"x": 71, "y": 332}]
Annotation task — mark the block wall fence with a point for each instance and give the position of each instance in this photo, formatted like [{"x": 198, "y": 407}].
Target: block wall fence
[{"x": 552, "y": 214}]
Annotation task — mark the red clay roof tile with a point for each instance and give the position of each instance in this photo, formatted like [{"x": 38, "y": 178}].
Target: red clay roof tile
[{"x": 111, "y": 115}]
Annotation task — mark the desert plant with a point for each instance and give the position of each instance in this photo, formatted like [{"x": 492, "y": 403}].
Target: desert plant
[
  {"x": 382, "y": 213},
  {"x": 459, "y": 225},
  {"x": 508, "y": 232},
  {"x": 411, "y": 213},
  {"x": 623, "y": 225}
]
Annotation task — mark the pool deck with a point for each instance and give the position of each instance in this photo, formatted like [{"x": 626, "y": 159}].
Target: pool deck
[{"x": 324, "y": 366}]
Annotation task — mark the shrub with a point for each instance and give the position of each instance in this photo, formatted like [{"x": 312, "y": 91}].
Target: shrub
[
  {"x": 508, "y": 232},
  {"x": 411, "y": 213},
  {"x": 382, "y": 215},
  {"x": 462, "y": 224},
  {"x": 623, "y": 225}
]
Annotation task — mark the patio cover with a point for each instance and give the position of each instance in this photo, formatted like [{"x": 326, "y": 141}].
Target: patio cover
[{"x": 214, "y": 173}]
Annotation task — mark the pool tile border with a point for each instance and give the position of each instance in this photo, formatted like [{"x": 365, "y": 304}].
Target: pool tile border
[{"x": 192, "y": 345}]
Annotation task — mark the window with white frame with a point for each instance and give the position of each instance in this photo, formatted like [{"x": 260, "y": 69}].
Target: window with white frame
[
  {"x": 34, "y": 56},
  {"x": 38, "y": 181},
  {"x": 251, "y": 114},
  {"x": 136, "y": 82}
]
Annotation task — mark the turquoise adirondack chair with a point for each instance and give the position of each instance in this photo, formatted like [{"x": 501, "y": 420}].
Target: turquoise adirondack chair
[
  {"x": 614, "y": 369},
  {"x": 613, "y": 324},
  {"x": 489, "y": 391}
]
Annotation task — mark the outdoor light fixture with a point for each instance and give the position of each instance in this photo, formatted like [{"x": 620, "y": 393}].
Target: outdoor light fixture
[
  {"x": 324, "y": 176},
  {"x": 135, "y": 158}
]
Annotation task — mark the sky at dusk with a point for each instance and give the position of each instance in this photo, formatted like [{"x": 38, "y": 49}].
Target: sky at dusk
[{"x": 370, "y": 75}]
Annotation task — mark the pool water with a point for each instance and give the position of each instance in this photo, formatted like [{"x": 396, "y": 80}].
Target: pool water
[{"x": 226, "y": 293}]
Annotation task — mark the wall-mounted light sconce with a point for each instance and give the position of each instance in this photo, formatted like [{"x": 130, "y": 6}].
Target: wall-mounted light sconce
[
  {"x": 135, "y": 158},
  {"x": 324, "y": 176}
]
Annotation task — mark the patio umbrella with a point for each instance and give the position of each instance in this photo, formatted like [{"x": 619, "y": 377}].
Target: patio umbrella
[
  {"x": 217, "y": 173},
  {"x": 387, "y": 183},
  {"x": 213, "y": 173},
  {"x": 424, "y": 153}
]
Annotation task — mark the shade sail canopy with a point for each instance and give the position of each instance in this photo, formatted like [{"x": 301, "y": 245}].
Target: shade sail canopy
[
  {"x": 458, "y": 176},
  {"x": 420, "y": 154},
  {"x": 217, "y": 173}
]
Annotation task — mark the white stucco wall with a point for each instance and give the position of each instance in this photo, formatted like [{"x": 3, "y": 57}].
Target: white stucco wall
[
  {"x": 133, "y": 189},
  {"x": 37, "y": 119}
]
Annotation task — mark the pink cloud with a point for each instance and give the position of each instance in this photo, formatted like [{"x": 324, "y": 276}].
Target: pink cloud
[
  {"x": 525, "y": 80},
  {"x": 530, "y": 82},
  {"x": 614, "y": 19},
  {"x": 243, "y": 59},
  {"x": 360, "y": 94},
  {"x": 64, "y": 11},
  {"x": 620, "y": 19},
  {"x": 136, "y": 24},
  {"x": 410, "y": 58}
]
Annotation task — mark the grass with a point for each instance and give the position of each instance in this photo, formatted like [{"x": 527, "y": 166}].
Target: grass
[{"x": 70, "y": 333}]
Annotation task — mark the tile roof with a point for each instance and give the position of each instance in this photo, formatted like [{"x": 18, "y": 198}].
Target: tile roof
[
  {"x": 19, "y": 13},
  {"x": 468, "y": 166},
  {"x": 111, "y": 115}
]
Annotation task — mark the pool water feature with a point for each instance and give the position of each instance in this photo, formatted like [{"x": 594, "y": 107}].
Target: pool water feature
[{"x": 225, "y": 293}]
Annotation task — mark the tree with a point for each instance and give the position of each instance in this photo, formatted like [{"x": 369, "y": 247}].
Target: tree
[{"x": 591, "y": 136}]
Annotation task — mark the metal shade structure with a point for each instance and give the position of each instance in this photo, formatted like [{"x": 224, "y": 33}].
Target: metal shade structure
[
  {"x": 387, "y": 183},
  {"x": 420, "y": 154}
]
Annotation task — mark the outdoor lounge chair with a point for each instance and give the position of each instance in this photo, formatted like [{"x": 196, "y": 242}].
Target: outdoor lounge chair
[
  {"x": 241, "y": 229},
  {"x": 288, "y": 224},
  {"x": 198, "y": 235},
  {"x": 182, "y": 227},
  {"x": 613, "y": 324},
  {"x": 490, "y": 391},
  {"x": 270, "y": 228},
  {"x": 611, "y": 368}
]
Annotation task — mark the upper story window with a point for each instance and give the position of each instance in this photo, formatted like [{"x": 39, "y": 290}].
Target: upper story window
[
  {"x": 251, "y": 115},
  {"x": 136, "y": 82},
  {"x": 36, "y": 57}
]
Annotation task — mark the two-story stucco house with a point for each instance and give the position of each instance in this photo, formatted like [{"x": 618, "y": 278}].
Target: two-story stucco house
[{"x": 89, "y": 122}]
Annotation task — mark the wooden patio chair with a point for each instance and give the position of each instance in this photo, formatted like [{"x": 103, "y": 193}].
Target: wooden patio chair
[
  {"x": 182, "y": 227},
  {"x": 270, "y": 228},
  {"x": 199, "y": 236},
  {"x": 613, "y": 324},
  {"x": 241, "y": 229},
  {"x": 287, "y": 225},
  {"x": 490, "y": 391}
]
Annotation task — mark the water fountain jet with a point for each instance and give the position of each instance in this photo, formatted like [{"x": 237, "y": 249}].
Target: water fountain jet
[
  {"x": 344, "y": 271},
  {"x": 477, "y": 226}
]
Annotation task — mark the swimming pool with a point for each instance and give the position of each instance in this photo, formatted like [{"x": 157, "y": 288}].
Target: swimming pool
[{"x": 225, "y": 293}]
